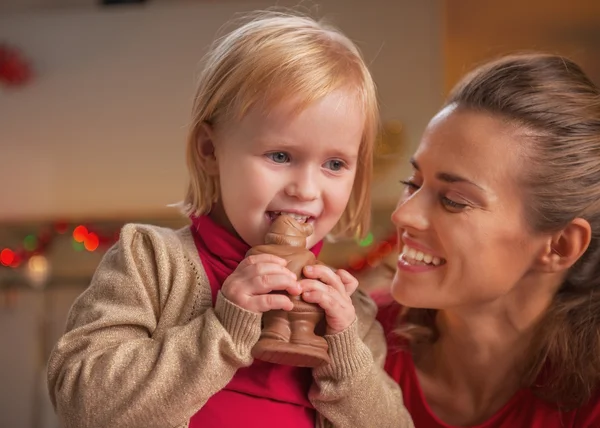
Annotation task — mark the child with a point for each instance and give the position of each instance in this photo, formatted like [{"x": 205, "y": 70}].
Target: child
[{"x": 283, "y": 122}]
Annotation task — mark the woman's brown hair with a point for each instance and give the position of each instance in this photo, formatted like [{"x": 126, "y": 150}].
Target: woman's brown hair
[{"x": 558, "y": 105}]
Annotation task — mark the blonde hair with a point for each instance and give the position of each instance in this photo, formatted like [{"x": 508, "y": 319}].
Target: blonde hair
[{"x": 276, "y": 56}]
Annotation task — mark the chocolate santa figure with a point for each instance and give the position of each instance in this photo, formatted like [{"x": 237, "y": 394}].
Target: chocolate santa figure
[{"x": 288, "y": 337}]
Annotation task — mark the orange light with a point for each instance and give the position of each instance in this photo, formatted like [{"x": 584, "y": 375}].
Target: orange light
[
  {"x": 80, "y": 233},
  {"x": 384, "y": 249},
  {"x": 373, "y": 259},
  {"x": 356, "y": 262},
  {"x": 91, "y": 242}
]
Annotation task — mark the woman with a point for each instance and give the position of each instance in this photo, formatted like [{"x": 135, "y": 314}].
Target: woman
[{"x": 496, "y": 319}]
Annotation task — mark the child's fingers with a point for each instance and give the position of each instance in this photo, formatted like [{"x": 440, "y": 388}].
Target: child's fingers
[
  {"x": 332, "y": 303},
  {"x": 315, "y": 285},
  {"x": 337, "y": 306},
  {"x": 269, "y": 302},
  {"x": 325, "y": 275},
  {"x": 256, "y": 259},
  {"x": 349, "y": 281},
  {"x": 265, "y": 269},
  {"x": 264, "y": 284},
  {"x": 258, "y": 279}
]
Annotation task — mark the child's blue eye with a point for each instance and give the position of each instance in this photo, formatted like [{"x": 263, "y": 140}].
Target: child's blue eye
[
  {"x": 279, "y": 157},
  {"x": 335, "y": 164}
]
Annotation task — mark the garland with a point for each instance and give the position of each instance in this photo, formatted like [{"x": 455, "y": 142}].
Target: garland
[{"x": 14, "y": 68}]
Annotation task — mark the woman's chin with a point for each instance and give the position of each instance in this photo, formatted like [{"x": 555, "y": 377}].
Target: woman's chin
[{"x": 410, "y": 296}]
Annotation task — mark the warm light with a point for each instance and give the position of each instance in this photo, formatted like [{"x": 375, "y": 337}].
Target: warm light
[
  {"x": 356, "y": 262},
  {"x": 80, "y": 233},
  {"x": 7, "y": 257},
  {"x": 16, "y": 260},
  {"x": 38, "y": 270},
  {"x": 384, "y": 249},
  {"x": 394, "y": 127},
  {"x": 91, "y": 242},
  {"x": 373, "y": 260},
  {"x": 61, "y": 227}
]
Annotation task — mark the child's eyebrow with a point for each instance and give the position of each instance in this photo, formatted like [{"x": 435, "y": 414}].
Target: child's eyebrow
[{"x": 342, "y": 154}]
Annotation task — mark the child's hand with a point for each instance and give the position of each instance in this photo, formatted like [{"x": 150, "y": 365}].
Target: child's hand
[
  {"x": 331, "y": 291},
  {"x": 255, "y": 277}
]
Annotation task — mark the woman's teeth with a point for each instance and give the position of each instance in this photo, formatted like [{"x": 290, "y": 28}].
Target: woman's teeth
[
  {"x": 416, "y": 257},
  {"x": 297, "y": 217}
]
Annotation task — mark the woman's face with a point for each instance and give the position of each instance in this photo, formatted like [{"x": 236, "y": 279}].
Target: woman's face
[{"x": 461, "y": 221}]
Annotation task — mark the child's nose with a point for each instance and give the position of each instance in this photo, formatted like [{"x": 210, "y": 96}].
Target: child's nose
[{"x": 304, "y": 185}]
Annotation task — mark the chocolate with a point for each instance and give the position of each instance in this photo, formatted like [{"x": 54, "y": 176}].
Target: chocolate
[{"x": 289, "y": 337}]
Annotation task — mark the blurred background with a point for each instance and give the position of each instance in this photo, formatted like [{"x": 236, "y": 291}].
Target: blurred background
[{"x": 94, "y": 102}]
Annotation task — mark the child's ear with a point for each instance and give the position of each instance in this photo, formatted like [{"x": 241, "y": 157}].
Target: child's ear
[
  {"x": 206, "y": 148},
  {"x": 564, "y": 248}
]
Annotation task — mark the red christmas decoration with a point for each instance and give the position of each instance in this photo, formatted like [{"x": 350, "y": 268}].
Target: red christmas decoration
[
  {"x": 80, "y": 233},
  {"x": 88, "y": 237},
  {"x": 379, "y": 251},
  {"x": 14, "y": 68},
  {"x": 38, "y": 244}
]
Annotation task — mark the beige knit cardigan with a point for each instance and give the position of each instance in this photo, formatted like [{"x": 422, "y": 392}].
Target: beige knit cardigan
[{"x": 144, "y": 346}]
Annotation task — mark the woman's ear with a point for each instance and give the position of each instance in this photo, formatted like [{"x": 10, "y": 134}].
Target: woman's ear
[
  {"x": 564, "y": 248},
  {"x": 206, "y": 148}
]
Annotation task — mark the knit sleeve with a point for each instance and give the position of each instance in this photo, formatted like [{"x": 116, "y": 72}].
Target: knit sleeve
[
  {"x": 354, "y": 390},
  {"x": 111, "y": 368}
]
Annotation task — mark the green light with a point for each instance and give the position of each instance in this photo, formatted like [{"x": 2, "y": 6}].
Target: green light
[
  {"x": 30, "y": 242},
  {"x": 78, "y": 246},
  {"x": 368, "y": 240}
]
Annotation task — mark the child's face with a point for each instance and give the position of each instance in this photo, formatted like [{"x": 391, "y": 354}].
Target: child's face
[{"x": 278, "y": 161}]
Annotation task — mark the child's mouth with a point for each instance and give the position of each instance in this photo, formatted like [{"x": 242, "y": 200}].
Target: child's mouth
[{"x": 298, "y": 217}]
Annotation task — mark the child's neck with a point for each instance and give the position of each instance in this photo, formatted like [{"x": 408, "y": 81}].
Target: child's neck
[{"x": 218, "y": 215}]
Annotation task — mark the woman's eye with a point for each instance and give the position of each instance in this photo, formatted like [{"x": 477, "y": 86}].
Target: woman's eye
[
  {"x": 411, "y": 186},
  {"x": 279, "y": 157},
  {"x": 453, "y": 205}
]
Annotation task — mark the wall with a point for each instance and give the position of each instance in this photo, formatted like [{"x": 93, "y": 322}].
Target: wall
[
  {"x": 101, "y": 130},
  {"x": 475, "y": 31}
]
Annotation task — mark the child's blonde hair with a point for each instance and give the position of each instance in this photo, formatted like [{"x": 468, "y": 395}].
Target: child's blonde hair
[{"x": 272, "y": 57}]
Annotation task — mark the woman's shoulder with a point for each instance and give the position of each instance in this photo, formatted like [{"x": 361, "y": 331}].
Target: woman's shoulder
[{"x": 588, "y": 415}]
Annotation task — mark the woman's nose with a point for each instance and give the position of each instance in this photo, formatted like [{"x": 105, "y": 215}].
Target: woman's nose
[{"x": 411, "y": 212}]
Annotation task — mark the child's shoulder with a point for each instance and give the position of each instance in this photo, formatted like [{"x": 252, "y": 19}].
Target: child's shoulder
[
  {"x": 363, "y": 303},
  {"x": 136, "y": 239},
  {"x": 388, "y": 309},
  {"x": 152, "y": 254},
  {"x": 153, "y": 231},
  {"x": 378, "y": 304},
  {"x": 149, "y": 234}
]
